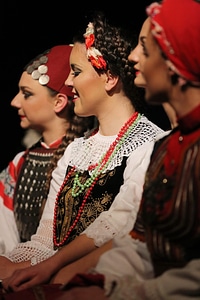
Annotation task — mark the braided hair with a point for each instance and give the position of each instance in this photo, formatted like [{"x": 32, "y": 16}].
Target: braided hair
[{"x": 115, "y": 45}]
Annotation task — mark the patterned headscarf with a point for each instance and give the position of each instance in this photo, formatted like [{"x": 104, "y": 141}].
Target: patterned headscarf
[{"x": 175, "y": 25}]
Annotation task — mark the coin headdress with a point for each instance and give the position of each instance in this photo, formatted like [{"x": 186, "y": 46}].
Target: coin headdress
[{"x": 51, "y": 68}]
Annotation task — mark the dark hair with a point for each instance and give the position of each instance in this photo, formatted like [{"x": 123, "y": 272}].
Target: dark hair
[{"x": 115, "y": 45}]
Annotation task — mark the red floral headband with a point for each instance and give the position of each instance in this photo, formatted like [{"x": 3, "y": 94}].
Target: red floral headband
[{"x": 93, "y": 54}]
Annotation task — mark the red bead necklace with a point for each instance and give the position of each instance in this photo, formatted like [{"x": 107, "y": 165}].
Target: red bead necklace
[{"x": 90, "y": 182}]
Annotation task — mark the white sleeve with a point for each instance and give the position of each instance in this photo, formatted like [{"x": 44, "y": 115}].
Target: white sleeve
[
  {"x": 175, "y": 284},
  {"x": 128, "y": 256},
  {"x": 9, "y": 236},
  {"x": 41, "y": 244},
  {"x": 121, "y": 216}
]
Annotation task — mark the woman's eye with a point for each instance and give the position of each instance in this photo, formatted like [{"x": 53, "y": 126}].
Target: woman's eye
[
  {"x": 27, "y": 94},
  {"x": 142, "y": 42},
  {"x": 144, "y": 51},
  {"x": 76, "y": 73}
]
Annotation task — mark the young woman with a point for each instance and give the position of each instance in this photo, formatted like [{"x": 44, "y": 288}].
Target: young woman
[
  {"x": 165, "y": 250},
  {"x": 170, "y": 210},
  {"x": 43, "y": 104},
  {"x": 96, "y": 188}
]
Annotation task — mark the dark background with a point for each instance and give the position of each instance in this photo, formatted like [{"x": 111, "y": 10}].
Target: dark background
[{"x": 28, "y": 28}]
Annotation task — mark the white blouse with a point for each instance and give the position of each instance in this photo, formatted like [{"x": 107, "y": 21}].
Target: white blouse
[{"x": 120, "y": 217}]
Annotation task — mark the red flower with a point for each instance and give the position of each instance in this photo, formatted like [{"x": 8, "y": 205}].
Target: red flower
[
  {"x": 98, "y": 63},
  {"x": 89, "y": 40},
  {"x": 102, "y": 62}
]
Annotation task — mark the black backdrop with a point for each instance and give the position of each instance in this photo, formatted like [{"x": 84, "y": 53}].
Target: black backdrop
[{"x": 28, "y": 28}]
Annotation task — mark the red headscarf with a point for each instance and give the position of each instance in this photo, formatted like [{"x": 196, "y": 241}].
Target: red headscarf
[
  {"x": 52, "y": 68},
  {"x": 175, "y": 25}
]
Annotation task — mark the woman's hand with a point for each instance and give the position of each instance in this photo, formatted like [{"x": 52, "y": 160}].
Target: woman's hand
[
  {"x": 27, "y": 277},
  {"x": 6, "y": 267}
]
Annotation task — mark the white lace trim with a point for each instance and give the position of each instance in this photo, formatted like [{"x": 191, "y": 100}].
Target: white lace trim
[
  {"x": 40, "y": 246},
  {"x": 103, "y": 229},
  {"x": 89, "y": 151}
]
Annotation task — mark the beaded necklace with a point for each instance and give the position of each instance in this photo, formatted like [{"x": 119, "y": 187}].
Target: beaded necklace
[{"x": 97, "y": 170}]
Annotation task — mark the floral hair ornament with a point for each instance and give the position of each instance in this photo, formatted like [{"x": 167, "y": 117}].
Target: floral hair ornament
[{"x": 93, "y": 54}]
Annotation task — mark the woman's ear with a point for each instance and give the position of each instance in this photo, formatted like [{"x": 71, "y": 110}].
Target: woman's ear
[
  {"x": 111, "y": 81},
  {"x": 174, "y": 76},
  {"x": 61, "y": 101}
]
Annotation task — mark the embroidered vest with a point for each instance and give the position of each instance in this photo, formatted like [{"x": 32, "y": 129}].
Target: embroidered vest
[{"x": 30, "y": 192}]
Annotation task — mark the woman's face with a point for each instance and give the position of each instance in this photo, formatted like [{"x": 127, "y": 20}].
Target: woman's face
[
  {"x": 155, "y": 71},
  {"x": 34, "y": 103},
  {"x": 88, "y": 85},
  {"x": 137, "y": 56}
]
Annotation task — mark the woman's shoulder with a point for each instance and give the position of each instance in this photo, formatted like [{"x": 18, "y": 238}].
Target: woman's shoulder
[{"x": 145, "y": 130}]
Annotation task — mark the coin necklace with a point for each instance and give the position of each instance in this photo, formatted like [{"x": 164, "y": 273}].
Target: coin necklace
[{"x": 97, "y": 171}]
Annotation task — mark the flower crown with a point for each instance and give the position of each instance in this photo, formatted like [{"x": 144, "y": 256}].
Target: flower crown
[{"x": 93, "y": 54}]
